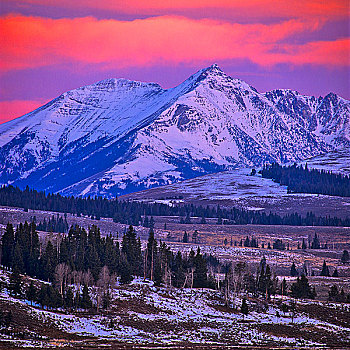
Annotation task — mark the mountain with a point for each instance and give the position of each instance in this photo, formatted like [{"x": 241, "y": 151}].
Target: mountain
[{"x": 118, "y": 136}]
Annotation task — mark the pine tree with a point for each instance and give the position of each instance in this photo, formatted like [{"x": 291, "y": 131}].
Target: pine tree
[
  {"x": 68, "y": 299},
  {"x": 335, "y": 273},
  {"x": 179, "y": 271},
  {"x": 131, "y": 248},
  {"x": 325, "y": 270},
  {"x": 185, "y": 238},
  {"x": 302, "y": 289},
  {"x": 18, "y": 262},
  {"x": 244, "y": 307},
  {"x": 48, "y": 262},
  {"x": 333, "y": 293},
  {"x": 31, "y": 293},
  {"x": 7, "y": 246},
  {"x": 345, "y": 258},
  {"x": 303, "y": 246},
  {"x": 43, "y": 297},
  {"x": 106, "y": 300},
  {"x": 85, "y": 298},
  {"x": 315, "y": 243},
  {"x": 293, "y": 271},
  {"x": 15, "y": 284},
  {"x": 125, "y": 271},
  {"x": 200, "y": 277},
  {"x": 151, "y": 223}
]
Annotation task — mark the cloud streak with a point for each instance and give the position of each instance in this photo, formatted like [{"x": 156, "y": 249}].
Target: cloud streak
[
  {"x": 251, "y": 9},
  {"x": 30, "y": 42},
  {"x": 13, "y": 109}
]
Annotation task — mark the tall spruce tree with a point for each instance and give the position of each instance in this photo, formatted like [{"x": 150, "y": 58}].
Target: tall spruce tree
[
  {"x": 325, "y": 270},
  {"x": 200, "y": 279},
  {"x": 7, "y": 246},
  {"x": 302, "y": 289},
  {"x": 16, "y": 284},
  {"x": 345, "y": 258},
  {"x": 293, "y": 271}
]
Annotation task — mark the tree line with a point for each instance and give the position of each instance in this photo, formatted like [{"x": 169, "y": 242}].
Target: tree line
[
  {"x": 82, "y": 267},
  {"x": 53, "y": 224},
  {"x": 137, "y": 213},
  {"x": 299, "y": 179},
  {"x": 86, "y": 259}
]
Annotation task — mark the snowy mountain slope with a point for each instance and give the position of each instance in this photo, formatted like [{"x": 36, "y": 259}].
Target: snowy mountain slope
[
  {"x": 327, "y": 117},
  {"x": 118, "y": 136}
]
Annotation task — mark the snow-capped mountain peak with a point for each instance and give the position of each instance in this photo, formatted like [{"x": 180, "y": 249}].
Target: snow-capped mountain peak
[{"x": 119, "y": 135}]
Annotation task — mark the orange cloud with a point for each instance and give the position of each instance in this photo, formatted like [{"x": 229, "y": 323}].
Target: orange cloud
[
  {"x": 13, "y": 109},
  {"x": 34, "y": 41},
  {"x": 237, "y": 8}
]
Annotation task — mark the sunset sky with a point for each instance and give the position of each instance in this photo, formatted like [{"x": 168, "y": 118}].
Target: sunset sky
[{"x": 51, "y": 46}]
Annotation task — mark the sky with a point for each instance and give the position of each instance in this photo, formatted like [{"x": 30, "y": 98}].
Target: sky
[{"x": 48, "y": 47}]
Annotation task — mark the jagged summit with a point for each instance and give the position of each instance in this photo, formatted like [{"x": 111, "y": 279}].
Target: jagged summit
[
  {"x": 118, "y": 135},
  {"x": 111, "y": 84}
]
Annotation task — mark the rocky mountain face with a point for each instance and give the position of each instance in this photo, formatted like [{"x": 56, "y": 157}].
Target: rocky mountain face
[{"x": 118, "y": 136}]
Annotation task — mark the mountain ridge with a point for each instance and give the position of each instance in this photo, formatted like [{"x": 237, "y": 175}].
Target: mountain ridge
[{"x": 118, "y": 135}]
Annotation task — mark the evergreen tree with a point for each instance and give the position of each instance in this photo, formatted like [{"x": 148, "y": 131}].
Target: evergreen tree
[
  {"x": 325, "y": 270},
  {"x": 302, "y": 289},
  {"x": 315, "y": 243},
  {"x": 7, "y": 246},
  {"x": 264, "y": 282},
  {"x": 15, "y": 284},
  {"x": 130, "y": 212},
  {"x": 131, "y": 248},
  {"x": 85, "y": 302},
  {"x": 345, "y": 258},
  {"x": 200, "y": 277},
  {"x": 302, "y": 180},
  {"x": 279, "y": 245},
  {"x": 18, "y": 262},
  {"x": 303, "y": 246},
  {"x": 335, "y": 273},
  {"x": 195, "y": 236},
  {"x": 49, "y": 262},
  {"x": 293, "y": 271},
  {"x": 43, "y": 297},
  {"x": 244, "y": 307},
  {"x": 125, "y": 271},
  {"x": 179, "y": 271},
  {"x": 185, "y": 238},
  {"x": 151, "y": 223},
  {"x": 333, "y": 293},
  {"x": 106, "y": 300},
  {"x": 31, "y": 293},
  {"x": 69, "y": 299}
]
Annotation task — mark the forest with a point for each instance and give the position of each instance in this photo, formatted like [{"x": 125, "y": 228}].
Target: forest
[
  {"x": 83, "y": 267},
  {"x": 86, "y": 259},
  {"x": 135, "y": 213},
  {"x": 299, "y": 179}
]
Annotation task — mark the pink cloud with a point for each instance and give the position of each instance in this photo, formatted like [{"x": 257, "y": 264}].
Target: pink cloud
[
  {"x": 13, "y": 109},
  {"x": 29, "y": 42}
]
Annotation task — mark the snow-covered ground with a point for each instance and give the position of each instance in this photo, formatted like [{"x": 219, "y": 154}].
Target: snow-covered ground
[{"x": 144, "y": 314}]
